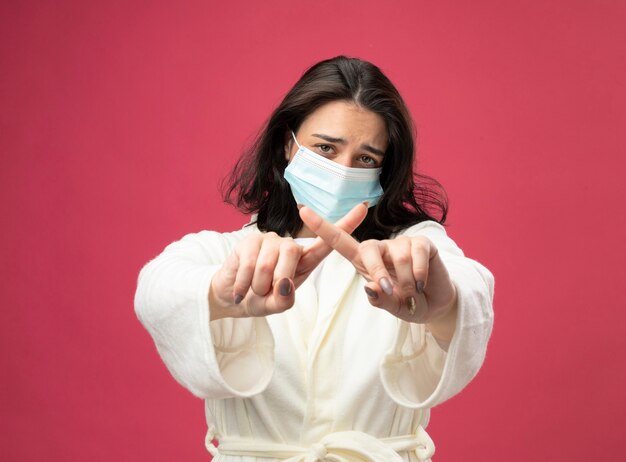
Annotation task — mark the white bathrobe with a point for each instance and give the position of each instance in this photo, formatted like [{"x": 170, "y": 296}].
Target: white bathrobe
[{"x": 332, "y": 378}]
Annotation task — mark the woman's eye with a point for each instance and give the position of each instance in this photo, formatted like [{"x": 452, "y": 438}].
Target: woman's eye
[
  {"x": 325, "y": 148},
  {"x": 368, "y": 160}
]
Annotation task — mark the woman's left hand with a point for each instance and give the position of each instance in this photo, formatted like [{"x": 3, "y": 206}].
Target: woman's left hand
[{"x": 405, "y": 275}]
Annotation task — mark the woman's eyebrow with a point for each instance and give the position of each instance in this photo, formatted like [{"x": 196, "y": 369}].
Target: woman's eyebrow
[{"x": 332, "y": 139}]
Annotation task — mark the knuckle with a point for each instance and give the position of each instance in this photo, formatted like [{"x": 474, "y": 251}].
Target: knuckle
[
  {"x": 420, "y": 242},
  {"x": 265, "y": 267},
  {"x": 378, "y": 269},
  {"x": 290, "y": 248},
  {"x": 259, "y": 290},
  {"x": 247, "y": 265},
  {"x": 368, "y": 244},
  {"x": 403, "y": 258},
  {"x": 251, "y": 240},
  {"x": 420, "y": 248},
  {"x": 240, "y": 246},
  {"x": 400, "y": 242}
]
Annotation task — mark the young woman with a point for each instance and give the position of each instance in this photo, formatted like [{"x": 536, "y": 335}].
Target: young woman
[{"x": 327, "y": 327}]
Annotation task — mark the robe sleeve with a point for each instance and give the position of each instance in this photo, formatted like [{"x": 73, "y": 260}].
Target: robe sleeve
[
  {"x": 417, "y": 372},
  {"x": 218, "y": 359}
]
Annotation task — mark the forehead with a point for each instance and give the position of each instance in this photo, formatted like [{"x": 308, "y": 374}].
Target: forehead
[{"x": 341, "y": 119}]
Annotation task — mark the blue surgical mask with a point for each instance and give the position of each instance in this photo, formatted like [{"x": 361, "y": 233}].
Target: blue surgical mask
[{"x": 330, "y": 189}]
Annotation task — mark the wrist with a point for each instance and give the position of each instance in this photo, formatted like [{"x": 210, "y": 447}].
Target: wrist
[{"x": 443, "y": 326}]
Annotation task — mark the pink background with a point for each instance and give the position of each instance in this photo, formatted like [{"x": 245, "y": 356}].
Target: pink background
[{"x": 119, "y": 118}]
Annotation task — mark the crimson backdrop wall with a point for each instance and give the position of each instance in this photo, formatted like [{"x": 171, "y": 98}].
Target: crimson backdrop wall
[{"x": 119, "y": 118}]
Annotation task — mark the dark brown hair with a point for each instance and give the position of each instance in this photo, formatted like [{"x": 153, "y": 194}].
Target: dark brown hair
[{"x": 256, "y": 183}]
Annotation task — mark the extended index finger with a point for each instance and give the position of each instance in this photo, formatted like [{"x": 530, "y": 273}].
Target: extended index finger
[
  {"x": 318, "y": 250},
  {"x": 314, "y": 253},
  {"x": 332, "y": 235}
]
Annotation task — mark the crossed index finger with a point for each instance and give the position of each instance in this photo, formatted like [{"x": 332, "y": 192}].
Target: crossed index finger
[{"x": 332, "y": 235}]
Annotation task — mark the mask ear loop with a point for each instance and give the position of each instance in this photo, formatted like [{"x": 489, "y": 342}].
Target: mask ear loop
[{"x": 293, "y": 135}]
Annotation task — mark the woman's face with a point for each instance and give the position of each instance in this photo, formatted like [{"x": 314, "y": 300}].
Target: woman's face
[{"x": 344, "y": 133}]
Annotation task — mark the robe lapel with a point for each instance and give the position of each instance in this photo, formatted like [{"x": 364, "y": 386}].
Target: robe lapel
[{"x": 336, "y": 278}]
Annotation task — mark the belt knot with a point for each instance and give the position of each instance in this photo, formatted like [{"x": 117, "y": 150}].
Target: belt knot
[{"x": 318, "y": 452}]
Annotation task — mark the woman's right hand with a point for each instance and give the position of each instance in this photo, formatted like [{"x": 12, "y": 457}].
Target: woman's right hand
[{"x": 261, "y": 275}]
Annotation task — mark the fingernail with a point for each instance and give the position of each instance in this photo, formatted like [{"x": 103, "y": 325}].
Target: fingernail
[
  {"x": 370, "y": 293},
  {"x": 419, "y": 286},
  {"x": 238, "y": 299},
  {"x": 284, "y": 287},
  {"x": 366, "y": 204},
  {"x": 386, "y": 286}
]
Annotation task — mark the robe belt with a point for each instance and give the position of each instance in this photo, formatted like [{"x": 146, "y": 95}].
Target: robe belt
[{"x": 336, "y": 447}]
